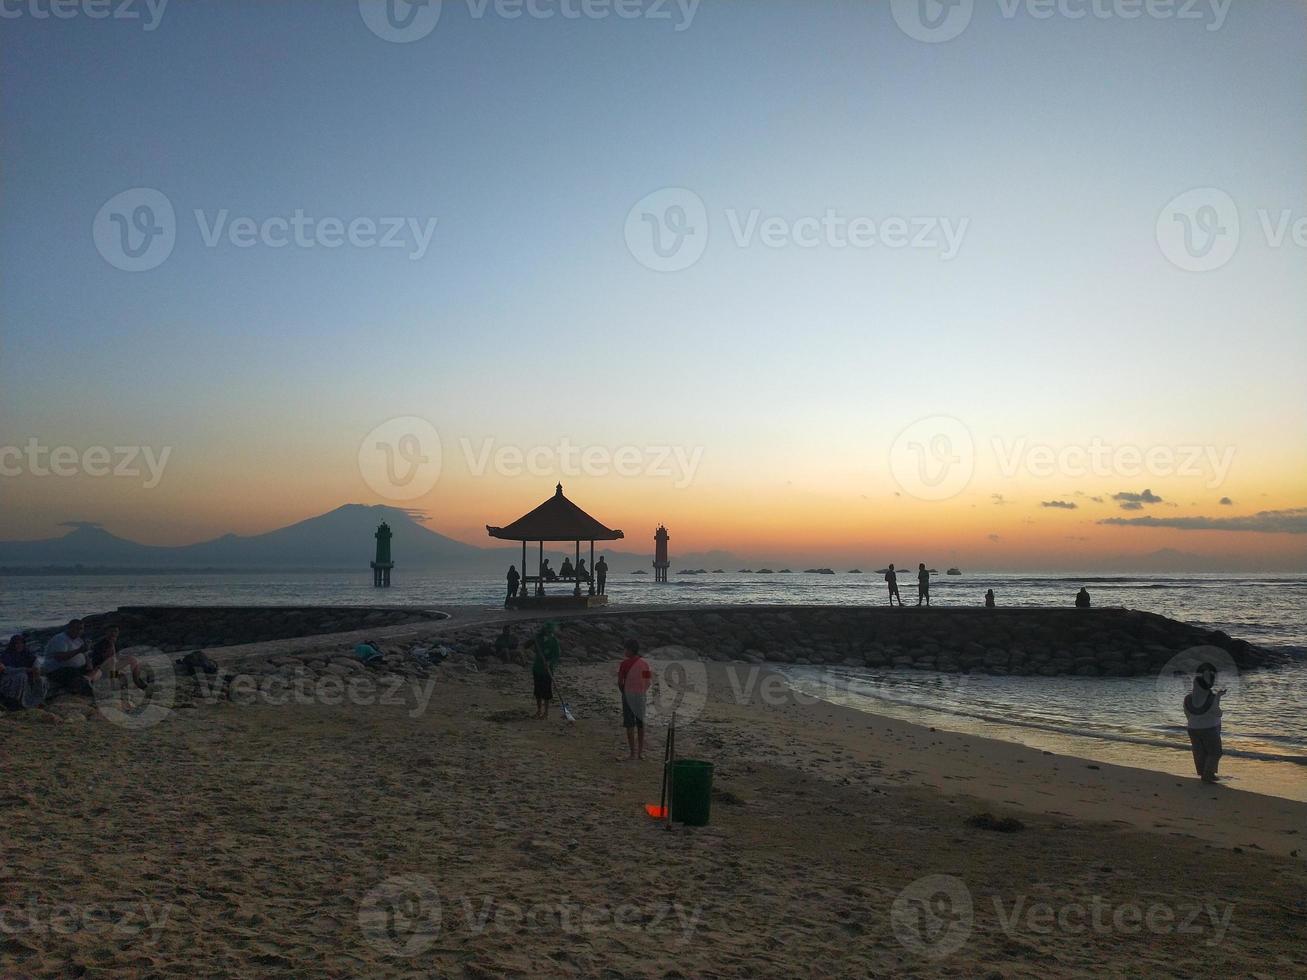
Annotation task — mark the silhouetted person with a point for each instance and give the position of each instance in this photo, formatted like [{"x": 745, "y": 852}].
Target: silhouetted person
[
  {"x": 581, "y": 574},
  {"x": 547, "y": 574},
  {"x": 566, "y": 571},
  {"x": 601, "y": 575},
  {"x": 513, "y": 580},
  {"x": 923, "y": 585},
  {"x": 892, "y": 580},
  {"x": 989, "y": 598},
  {"x": 1082, "y": 598},
  {"x": 505, "y": 645},
  {"x": 1202, "y": 713}
]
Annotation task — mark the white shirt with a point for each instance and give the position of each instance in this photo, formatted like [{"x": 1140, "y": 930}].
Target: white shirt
[{"x": 62, "y": 643}]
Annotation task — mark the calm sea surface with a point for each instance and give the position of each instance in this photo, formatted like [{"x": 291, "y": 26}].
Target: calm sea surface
[{"x": 1132, "y": 721}]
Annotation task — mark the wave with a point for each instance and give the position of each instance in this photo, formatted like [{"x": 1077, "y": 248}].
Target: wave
[{"x": 1054, "y": 725}]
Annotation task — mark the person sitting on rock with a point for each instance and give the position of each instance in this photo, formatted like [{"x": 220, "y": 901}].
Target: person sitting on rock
[
  {"x": 22, "y": 685},
  {"x": 505, "y": 644},
  {"x": 64, "y": 661},
  {"x": 104, "y": 659},
  {"x": 1082, "y": 598}
]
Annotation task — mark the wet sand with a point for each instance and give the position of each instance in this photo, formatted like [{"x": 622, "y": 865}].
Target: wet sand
[{"x": 465, "y": 838}]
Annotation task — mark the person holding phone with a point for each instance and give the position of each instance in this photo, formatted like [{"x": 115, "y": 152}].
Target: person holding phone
[{"x": 1202, "y": 712}]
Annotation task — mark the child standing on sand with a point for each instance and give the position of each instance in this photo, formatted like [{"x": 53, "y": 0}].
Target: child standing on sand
[
  {"x": 1202, "y": 712},
  {"x": 543, "y": 666},
  {"x": 633, "y": 680}
]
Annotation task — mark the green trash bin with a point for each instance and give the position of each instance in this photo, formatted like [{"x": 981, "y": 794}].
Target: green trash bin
[{"x": 691, "y": 791}]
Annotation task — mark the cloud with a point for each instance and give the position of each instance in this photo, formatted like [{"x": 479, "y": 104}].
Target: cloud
[
  {"x": 992, "y": 537},
  {"x": 1226, "y": 502},
  {"x": 1132, "y": 505},
  {"x": 1059, "y": 504},
  {"x": 1125, "y": 497},
  {"x": 1097, "y": 500},
  {"x": 997, "y": 498},
  {"x": 1291, "y": 521}
]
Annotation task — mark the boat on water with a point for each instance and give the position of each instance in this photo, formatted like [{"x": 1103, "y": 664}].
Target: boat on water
[{"x": 954, "y": 571}]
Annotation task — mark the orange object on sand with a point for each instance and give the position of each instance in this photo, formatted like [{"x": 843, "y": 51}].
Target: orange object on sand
[{"x": 656, "y": 811}]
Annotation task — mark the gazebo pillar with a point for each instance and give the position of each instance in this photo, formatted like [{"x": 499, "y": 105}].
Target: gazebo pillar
[
  {"x": 576, "y": 561},
  {"x": 592, "y": 566},
  {"x": 540, "y": 571}
]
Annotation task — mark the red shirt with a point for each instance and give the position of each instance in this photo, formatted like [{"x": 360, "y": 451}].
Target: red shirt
[{"x": 634, "y": 675}]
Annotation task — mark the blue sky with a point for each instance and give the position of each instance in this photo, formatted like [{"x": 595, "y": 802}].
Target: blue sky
[{"x": 1058, "y": 141}]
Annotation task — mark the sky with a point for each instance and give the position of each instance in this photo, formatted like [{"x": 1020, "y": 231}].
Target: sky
[{"x": 812, "y": 280}]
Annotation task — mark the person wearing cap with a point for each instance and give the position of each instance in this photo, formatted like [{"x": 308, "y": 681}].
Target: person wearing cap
[{"x": 1202, "y": 712}]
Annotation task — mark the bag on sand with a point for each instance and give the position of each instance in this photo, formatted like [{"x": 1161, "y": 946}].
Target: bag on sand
[{"x": 196, "y": 662}]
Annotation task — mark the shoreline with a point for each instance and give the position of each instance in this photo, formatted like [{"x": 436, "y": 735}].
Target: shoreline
[{"x": 823, "y": 819}]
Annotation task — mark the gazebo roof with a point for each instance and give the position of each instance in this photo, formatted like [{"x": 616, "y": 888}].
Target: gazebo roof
[{"x": 557, "y": 519}]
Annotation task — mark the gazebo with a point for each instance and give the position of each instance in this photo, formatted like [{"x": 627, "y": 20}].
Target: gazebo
[{"x": 557, "y": 519}]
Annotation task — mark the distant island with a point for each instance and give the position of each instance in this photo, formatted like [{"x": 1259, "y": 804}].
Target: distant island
[{"x": 819, "y": 571}]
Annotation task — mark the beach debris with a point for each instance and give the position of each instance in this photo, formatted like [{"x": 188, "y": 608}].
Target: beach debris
[{"x": 1002, "y": 825}]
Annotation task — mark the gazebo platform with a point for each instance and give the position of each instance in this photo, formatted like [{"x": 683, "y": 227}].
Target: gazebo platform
[{"x": 560, "y": 601}]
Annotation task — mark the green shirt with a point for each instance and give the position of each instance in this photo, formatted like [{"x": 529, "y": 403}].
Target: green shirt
[{"x": 547, "y": 651}]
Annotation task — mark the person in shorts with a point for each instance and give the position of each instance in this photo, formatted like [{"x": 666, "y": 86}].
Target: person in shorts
[
  {"x": 633, "y": 680},
  {"x": 547, "y": 656}
]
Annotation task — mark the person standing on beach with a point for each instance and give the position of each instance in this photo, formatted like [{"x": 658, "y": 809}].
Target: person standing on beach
[
  {"x": 923, "y": 585},
  {"x": 989, "y": 598},
  {"x": 543, "y": 666},
  {"x": 633, "y": 680},
  {"x": 513, "y": 580},
  {"x": 892, "y": 580},
  {"x": 1202, "y": 712},
  {"x": 601, "y": 575}
]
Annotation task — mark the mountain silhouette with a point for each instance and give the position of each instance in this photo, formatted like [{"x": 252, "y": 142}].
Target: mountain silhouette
[{"x": 339, "y": 539}]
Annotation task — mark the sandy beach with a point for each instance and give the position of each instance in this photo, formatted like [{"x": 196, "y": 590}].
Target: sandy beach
[{"x": 448, "y": 833}]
